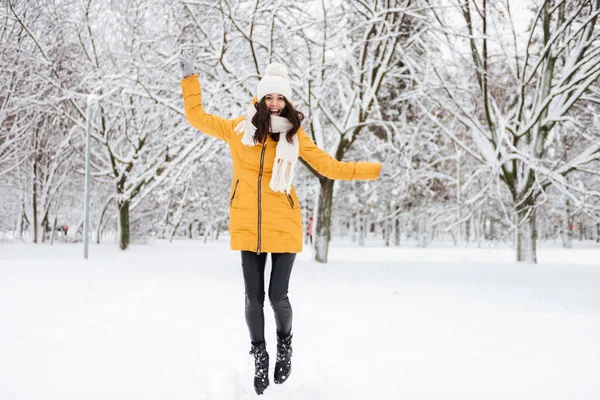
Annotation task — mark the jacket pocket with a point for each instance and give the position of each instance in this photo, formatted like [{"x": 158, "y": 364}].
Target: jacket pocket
[
  {"x": 234, "y": 190},
  {"x": 290, "y": 200}
]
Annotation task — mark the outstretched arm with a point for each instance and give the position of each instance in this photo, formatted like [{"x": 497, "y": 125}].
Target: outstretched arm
[
  {"x": 192, "y": 101},
  {"x": 332, "y": 168}
]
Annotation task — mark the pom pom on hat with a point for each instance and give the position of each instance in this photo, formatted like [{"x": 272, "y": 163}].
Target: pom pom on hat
[
  {"x": 276, "y": 69},
  {"x": 274, "y": 81}
]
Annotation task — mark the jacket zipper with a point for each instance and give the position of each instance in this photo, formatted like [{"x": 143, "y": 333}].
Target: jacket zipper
[
  {"x": 234, "y": 190},
  {"x": 290, "y": 200},
  {"x": 262, "y": 160}
]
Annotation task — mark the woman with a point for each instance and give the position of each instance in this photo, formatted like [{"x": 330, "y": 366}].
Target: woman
[{"x": 265, "y": 215}]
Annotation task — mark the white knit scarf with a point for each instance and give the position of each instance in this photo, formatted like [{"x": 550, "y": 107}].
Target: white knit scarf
[{"x": 286, "y": 154}]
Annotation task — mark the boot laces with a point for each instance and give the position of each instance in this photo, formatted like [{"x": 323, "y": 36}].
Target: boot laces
[
  {"x": 284, "y": 351},
  {"x": 260, "y": 359}
]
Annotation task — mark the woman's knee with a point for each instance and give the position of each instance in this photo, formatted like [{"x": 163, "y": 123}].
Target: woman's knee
[
  {"x": 255, "y": 300},
  {"x": 279, "y": 301}
]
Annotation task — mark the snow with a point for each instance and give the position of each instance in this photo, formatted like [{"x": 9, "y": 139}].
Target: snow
[{"x": 166, "y": 321}]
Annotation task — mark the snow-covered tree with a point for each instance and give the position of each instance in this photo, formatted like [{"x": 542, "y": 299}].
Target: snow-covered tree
[
  {"x": 517, "y": 90},
  {"x": 360, "y": 52}
]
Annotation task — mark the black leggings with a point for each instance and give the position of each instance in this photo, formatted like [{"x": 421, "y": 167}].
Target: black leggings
[{"x": 253, "y": 266}]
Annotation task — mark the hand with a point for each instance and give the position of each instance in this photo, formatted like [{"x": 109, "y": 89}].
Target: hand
[
  {"x": 186, "y": 61},
  {"x": 388, "y": 167}
]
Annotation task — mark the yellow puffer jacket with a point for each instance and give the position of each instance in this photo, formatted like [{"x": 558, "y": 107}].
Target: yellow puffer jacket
[{"x": 261, "y": 220}]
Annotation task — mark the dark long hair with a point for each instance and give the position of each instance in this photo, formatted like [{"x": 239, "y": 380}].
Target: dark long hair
[{"x": 262, "y": 121}]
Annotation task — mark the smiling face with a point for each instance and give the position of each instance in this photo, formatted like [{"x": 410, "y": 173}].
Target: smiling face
[{"x": 275, "y": 103}]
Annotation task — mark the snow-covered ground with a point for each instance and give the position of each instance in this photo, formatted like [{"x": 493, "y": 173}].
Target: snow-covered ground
[{"x": 166, "y": 321}]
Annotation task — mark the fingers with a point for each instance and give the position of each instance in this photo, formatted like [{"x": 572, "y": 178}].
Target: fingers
[{"x": 189, "y": 54}]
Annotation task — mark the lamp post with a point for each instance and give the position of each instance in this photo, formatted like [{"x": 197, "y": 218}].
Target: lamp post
[{"x": 91, "y": 102}]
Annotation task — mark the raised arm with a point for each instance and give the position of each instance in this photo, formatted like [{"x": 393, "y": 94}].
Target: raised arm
[
  {"x": 192, "y": 101},
  {"x": 194, "y": 111},
  {"x": 332, "y": 168}
]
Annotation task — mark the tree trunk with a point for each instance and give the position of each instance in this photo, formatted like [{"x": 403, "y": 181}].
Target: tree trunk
[
  {"x": 174, "y": 231},
  {"x": 24, "y": 220},
  {"x": 479, "y": 228},
  {"x": 99, "y": 232},
  {"x": 458, "y": 193},
  {"x": 207, "y": 232},
  {"x": 53, "y": 229},
  {"x": 361, "y": 231},
  {"x": 387, "y": 231},
  {"x": 323, "y": 223},
  {"x": 45, "y": 228},
  {"x": 19, "y": 221},
  {"x": 397, "y": 231},
  {"x": 34, "y": 202},
  {"x": 567, "y": 235},
  {"x": 468, "y": 230},
  {"x": 124, "y": 224},
  {"x": 526, "y": 233}
]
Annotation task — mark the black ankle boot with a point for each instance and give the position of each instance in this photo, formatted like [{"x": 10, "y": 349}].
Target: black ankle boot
[
  {"x": 283, "y": 365},
  {"x": 261, "y": 367}
]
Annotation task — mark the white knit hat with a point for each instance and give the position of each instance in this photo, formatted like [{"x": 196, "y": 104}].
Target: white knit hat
[{"x": 274, "y": 81}]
